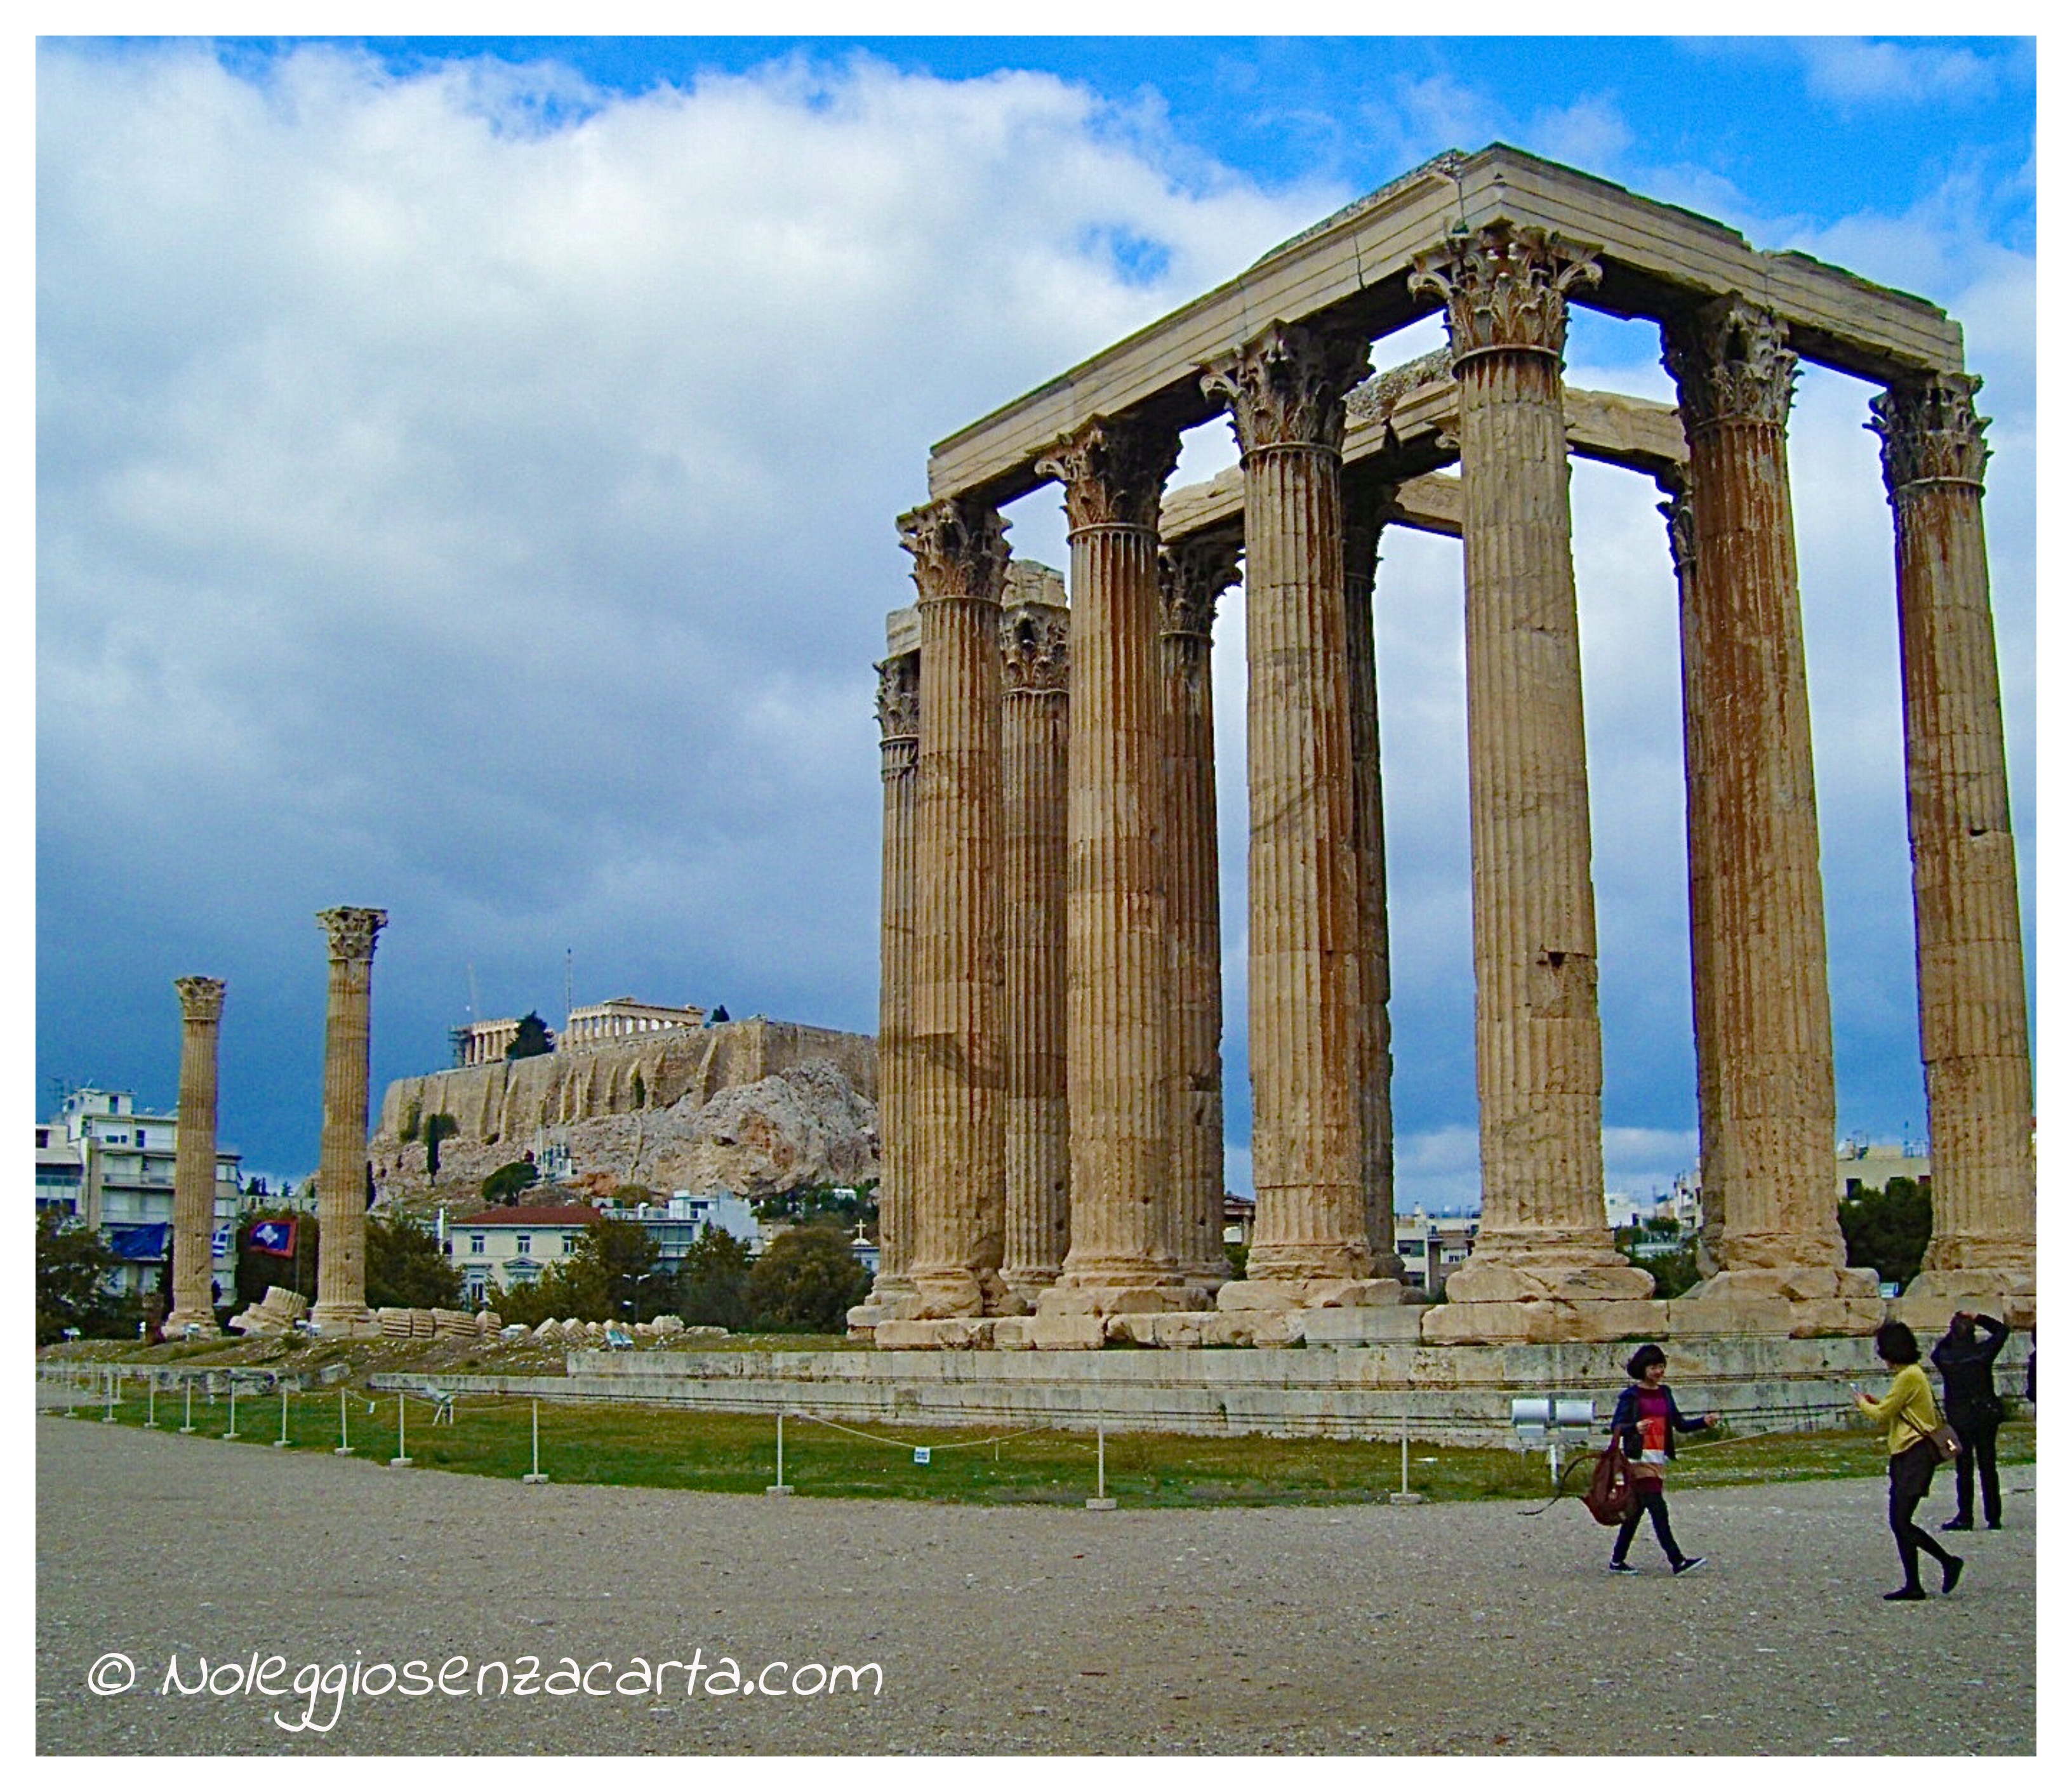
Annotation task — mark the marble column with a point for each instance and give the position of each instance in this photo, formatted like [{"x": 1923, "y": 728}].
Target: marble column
[
  {"x": 1191, "y": 578},
  {"x": 1117, "y": 948},
  {"x": 1035, "y": 735},
  {"x": 899, "y": 731},
  {"x": 194, "y": 1160},
  {"x": 1538, "y": 1065},
  {"x": 1966, "y": 907},
  {"x": 1764, "y": 1043},
  {"x": 960, "y": 550},
  {"x": 1286, "y": 392},
  {"x": 341, "y": 1153},
  {"x": 1369, "y": 504}
]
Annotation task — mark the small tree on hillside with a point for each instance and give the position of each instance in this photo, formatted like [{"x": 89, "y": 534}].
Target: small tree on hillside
[
  {"x": 533, "y": 1040},
  {"x": 712, "y": 1282},
  {"x": 502, "y": 1186},
  {"x": 436, "y": 1127}
]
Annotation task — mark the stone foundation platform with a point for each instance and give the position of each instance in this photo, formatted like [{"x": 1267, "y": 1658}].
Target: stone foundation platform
[{"x": 1453, "y": 1394}]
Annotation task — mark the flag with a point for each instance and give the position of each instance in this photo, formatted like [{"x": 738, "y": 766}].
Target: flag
[
  {"x": 138, "y": 1244},
  {"x": 274, "y": 1238}
]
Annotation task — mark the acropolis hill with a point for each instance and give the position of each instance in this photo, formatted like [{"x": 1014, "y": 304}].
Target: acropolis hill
[{"x": 754, "y": 1106}]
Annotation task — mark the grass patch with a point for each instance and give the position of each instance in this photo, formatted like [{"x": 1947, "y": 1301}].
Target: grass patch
[{"x": 646, "y": 1446}]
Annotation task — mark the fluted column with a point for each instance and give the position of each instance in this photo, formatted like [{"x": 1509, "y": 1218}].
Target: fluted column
[
  {"x": 1760, "y": 973},
  {"x": 1538, "y": 1065},
  {"x": 1286, "y": 392},
  {"x": 342, "y": 1156},
  {"x": 899, "y": 731},
  {"x": 1369, "y": 504},
  {"x": 1116, "y": 946},
  {"x": 1035, "y": 629},
  {"x": 960, "y": 550},
  {"x": 1191, "y": 578},
  {"x": 194, "y": 1160},
  {"x": 1966, "y": 907}
]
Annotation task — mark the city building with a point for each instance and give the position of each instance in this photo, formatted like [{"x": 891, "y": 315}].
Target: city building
[
  {"x": 108, "y": 1164},
  {"x": 503, "y": 1248}
]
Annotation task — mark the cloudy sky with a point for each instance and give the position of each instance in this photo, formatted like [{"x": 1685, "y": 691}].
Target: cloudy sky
[{"x": 466, "y": 473}]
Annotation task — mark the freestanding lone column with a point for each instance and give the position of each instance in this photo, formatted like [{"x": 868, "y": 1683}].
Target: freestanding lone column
[
  {"x": 1117, "y": 993},
  {"x": 1764, "y": 1043},
  {"x": 1035, "y": 637},
  {"x": 1539, "y": 1063},
  {"x": 194, "y": 1161},
  {"x": 899, "y": 727},
  {"x": 1967, "y": 907},
  {"x": 342, "y": 1160},
  {"x": 1286, "y": 391},
  {"x": 1191, "y": 578},
  {"x": 1369, "y": 504},
  {"x": 960, "y": 550}
]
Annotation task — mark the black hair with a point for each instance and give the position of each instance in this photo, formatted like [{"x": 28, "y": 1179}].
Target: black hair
[
  {"x": 1643, "y": 1359},
  {"x": 1897, "y": 1343}
]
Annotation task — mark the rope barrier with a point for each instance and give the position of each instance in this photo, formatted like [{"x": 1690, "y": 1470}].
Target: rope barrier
[{"x": 897, "y": 1444}]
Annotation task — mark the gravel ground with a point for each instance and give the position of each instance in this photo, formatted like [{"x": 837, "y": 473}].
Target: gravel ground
[{"x": 1450, "y": 1630}]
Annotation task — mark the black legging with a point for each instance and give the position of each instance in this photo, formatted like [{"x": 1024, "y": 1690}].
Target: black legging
[
  {"x": 1980, "y": 1445},
  {"x": 1912, "y": 1474},
  {"x": 1648, "y": 1499}
]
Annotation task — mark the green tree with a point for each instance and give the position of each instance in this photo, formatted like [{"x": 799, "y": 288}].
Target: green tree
[
  {"x": 258, "y": 1271},
  {"x": 435, "y": 1128},
  {"x": 572, "y": 1289},
  {"x": 533, "y": 1040},
  {"x": 806, "y": 1280},
  {"x": 624, "y": 1251},
  {"x": 1887, "y": 1229},
  {"x": 73, "y": 1268},
  {"x": 639, "y": 1090},
  {"x": 712, "y": 1282},
  {"x": 406, "y": 1268},
  {"x": 502, "y": 1186}
]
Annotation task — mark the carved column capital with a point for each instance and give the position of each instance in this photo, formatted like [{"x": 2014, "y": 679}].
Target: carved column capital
[
  {"x": 1191, "y": 575},
  {"x": 1931, "y": 430},
  {"x": 201, "y": 998},
  {"x": 1730, "y": 363},
  {"x": 1113, "y": 471},
  {"x": 1035, "y": 647},
  {"x": 1287, "y": 386},
  {"x": 1505, "y": 287},
  {"x": 352, "y": 931},
  {"x": 960, "y": 548},
  {"x": 899, "y": 697}
]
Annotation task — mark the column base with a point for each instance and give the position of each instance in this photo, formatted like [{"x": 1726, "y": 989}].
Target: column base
[
  {"x": 339, "y": 1319},
  {"x": 1806, "y": 1301},
  {"x": 173, "y": 1328},
  {"x": 2008, "y": 1295},
  {"x": 1071, "y": 1299},
  {"x": 1286, "y": 1294},
  {"x": 1572, "y": 1274},
  {"x": 1545, "y": 1321}
]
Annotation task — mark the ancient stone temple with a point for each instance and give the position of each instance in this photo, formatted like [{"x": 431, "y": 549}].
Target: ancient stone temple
[
  {"x": 342, "y": 1151},
  {"x": 999, "y": 916}
]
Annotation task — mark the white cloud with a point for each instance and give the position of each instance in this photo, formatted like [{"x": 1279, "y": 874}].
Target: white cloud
[{"x": 1866, "y": 69}]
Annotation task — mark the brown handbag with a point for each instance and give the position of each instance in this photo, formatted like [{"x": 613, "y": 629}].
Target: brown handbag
[{"x": 1948, "y": 1445}]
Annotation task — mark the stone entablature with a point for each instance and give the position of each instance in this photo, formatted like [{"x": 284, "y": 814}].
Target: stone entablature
[{"x": 622, "y": 1017}]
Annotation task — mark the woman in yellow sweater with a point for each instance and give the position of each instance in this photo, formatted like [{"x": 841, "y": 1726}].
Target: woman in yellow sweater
[{"x": 1908, "y": 1413}]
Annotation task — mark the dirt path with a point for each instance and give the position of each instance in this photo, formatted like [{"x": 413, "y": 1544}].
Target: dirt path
[{"x": 1434, "y": 1629}]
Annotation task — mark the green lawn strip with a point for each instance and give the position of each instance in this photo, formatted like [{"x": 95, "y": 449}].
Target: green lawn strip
[{"x": 649, "y": 1446}]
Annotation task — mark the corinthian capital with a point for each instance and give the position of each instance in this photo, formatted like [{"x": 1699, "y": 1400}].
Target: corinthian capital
[
  {"x": 960, "y": 548},
  {"x": 1113, "y": 470},
  {"x": 1035, "y": 646},
  {"x": 1505, "y": 286},
  {"x": 201, "y": 998},
  {"x": 1191, "y": 577},
  {"x": 1287, "y": 386},
  {"x": 1729, "y": 363},
  {"x": 352, "y": 931},
  {"x": 1931, "y": 429},
  {"x": 899, "y": 697}
]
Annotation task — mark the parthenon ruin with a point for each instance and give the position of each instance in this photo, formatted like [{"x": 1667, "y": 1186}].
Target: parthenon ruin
[{"x": 1050, "y": 1020}]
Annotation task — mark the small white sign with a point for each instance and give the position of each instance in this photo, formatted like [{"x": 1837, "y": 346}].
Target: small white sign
[{"x": 921, "y": 1458}]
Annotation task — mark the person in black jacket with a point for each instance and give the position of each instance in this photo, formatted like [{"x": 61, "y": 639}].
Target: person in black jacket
[
  {"x": 1973, "y": 1408},
  {"x": 1645, "y": 1422}
]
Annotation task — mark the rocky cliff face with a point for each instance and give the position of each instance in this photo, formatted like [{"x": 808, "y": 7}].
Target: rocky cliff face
[{"x": 751, "y": 1107}]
